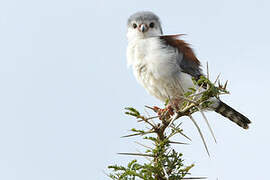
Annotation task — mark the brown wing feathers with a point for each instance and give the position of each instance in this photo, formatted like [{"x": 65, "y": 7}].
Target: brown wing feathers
[
  {"x": 182, "y": 46},
  {"x": 189, "y": 62}
]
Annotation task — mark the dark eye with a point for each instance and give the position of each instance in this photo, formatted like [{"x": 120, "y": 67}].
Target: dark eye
[
  {"x": 134, "y": 25},
  {"x": 151, "y": 25}
]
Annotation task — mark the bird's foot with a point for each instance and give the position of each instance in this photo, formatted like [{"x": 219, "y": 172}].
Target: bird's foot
[{"x": 167, "y": 111}]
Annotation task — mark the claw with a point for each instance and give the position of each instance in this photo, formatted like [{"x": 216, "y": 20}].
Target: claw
[{"x": 169, "y": 109}]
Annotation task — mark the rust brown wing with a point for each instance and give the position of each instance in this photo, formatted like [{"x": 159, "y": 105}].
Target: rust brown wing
[{"x": 188, "y": 62}]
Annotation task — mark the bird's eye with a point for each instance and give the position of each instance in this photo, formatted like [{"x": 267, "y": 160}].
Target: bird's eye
[
  {"x": 151, "y": 25},
  {"x": 134, "y": 25}
]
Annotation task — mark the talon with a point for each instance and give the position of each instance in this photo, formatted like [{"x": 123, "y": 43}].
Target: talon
[
  {"x": 156, "y": 109},
  {"x": 169, "y": 109}
]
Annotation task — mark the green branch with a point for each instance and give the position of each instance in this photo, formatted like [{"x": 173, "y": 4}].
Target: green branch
[{"x": 165, "y": 163}]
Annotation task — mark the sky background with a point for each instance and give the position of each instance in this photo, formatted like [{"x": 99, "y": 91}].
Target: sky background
[{"x": 64, "y": 84}]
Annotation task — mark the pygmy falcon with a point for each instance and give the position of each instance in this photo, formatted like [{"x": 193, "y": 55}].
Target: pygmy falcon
[{"x": 165, "y": 64}]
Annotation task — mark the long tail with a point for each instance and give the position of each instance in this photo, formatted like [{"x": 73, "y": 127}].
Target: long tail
[{"x": 233, "y": 115}]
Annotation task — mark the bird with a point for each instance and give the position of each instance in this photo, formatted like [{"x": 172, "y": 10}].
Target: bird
[{"x": 165, "y": 64}]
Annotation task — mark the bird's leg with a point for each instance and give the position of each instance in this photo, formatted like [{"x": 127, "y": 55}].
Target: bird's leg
[
  {"x": 164, "y": 113},
  {"x": 158, "y": 110},
  {"x": 175, "y": 104},
  {"x": 170, "y": 109}
]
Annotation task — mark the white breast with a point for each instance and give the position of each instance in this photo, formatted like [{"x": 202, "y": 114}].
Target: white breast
[{"x": 156, "y": 68}]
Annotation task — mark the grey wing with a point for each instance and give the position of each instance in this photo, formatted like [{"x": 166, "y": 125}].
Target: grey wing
[
  {"x": 186, "y": 58},
  {"x": 189, "y": 67}
]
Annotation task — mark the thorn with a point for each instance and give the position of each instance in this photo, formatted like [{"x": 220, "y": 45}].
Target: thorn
[
  {"x": 136, "y": 154},
  {"x": 217, "y": 79},
  {"x": 165, "y": 172},
  {"x": 175, "y": 142},
  {"x": 147, "y": 158},
  {"x": 195, "y": 178},
  {"x": 180, "y": 132},
  {"x": 145, "y": 110},
  {"x": 185, "y": 136},
  {"x": 207, "y": 70},
  {"x": 199, "y": 130},
  {"x": 150, "y": 108},
  {"x": 208, "y": 124},
  {"x": 131, "y": 135},
  {"x": 149, "y": 118},
  {"x": 137, "y": 134},
  {"x": 173, "y": 118},
  {"x": 143, "y": 145},
  {"x": 225, "y": 85},
  {"x": 219, "y": 84}
]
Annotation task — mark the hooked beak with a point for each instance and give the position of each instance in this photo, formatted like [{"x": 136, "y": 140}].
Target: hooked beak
[{"x": 143, "y": 28}]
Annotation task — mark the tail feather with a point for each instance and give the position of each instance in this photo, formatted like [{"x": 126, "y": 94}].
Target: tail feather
[{"x": 233, "y": 115}]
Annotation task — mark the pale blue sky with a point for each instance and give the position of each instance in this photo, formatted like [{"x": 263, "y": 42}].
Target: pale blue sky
[{"x": 64, "y": 84}]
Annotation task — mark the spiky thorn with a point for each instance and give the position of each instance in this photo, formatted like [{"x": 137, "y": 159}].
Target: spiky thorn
[
  {"x": 147, "y": 121},
  {"x": 165, "y": 172},
  {"x": 147, "y": 158},
  {"x": 133, "y": 112},
  {"x": 207, "y": 68},
  {"x": 136, "y": 154},
  {"x": 175, "y": 142},
  {"x": 138, "y": 134},
  {"x": 195, "y": 178},
  {"x": 200, "y": 132},
  {"x": 225, "y": 85},
  {"x": 176, "y": 129},
  {"x": 217, "y": 79},
  {"x": 148, "y": 147},
  {"x": 208, "y": 124},
  {"x": 153, "y": 117},
  {"x": 153, "y": 109}
]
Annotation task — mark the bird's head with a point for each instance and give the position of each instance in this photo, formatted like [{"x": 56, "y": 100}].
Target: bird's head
[{"x": 143, "y": 24}]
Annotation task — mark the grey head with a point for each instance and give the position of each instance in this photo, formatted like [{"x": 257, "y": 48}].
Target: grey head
[{"x": 143, "y": 24}]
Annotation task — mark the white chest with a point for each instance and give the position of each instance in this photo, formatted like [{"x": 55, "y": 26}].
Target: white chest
[
  {"x": 152, "y": 55},
  {"x": 155, "y": 67}
]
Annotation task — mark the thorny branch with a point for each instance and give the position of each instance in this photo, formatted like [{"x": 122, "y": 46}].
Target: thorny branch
[{"x": 166, "y": 163}]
